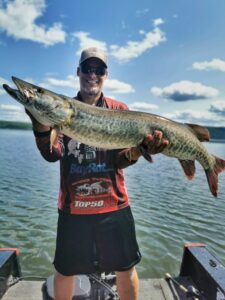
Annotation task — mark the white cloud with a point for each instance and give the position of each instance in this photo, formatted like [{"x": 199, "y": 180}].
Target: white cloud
[
  {"x": 18, "y": 17},
  {"x": 12, "y": 112},
  {"x": 118, "y": 87},
  {"x": 70, "y": 82},
  {"x": 215, "y": 64},
  {"x": 86, "y": 42},
  {"x": 158, "y": 22},
  {"x": 218, "y": 108},
  {"x": 110, "y": 85},
  {"x": 133, "y": 49},
  {"x": 142, "y": 106},
  {"x": 9, "y": 107},
  {"x": 185, "y": 90},
  {"x": 196, "y": 117}
]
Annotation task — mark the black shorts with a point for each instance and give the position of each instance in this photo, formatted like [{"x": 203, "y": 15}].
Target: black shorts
[{"x": 96, "y": 243}]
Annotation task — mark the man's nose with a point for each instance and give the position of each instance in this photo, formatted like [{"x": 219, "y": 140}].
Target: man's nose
[{"x": 92, "y": 74}]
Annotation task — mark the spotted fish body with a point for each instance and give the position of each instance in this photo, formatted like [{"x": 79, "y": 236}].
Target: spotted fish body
[
  {"x": 114, "y": 129},
  {"x": 117, "y": 129}
]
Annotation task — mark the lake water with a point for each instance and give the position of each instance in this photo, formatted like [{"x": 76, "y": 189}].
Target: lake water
[{"x": 169, "y": 210}]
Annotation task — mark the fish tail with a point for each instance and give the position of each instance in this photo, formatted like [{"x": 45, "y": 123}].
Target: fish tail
[{"x": 212, "y": 175}]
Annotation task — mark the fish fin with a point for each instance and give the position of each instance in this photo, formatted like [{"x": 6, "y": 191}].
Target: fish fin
[
  {"x": 201, "y": 132},
  {"x": 53, "y": 138},
  {"x": 212, "y": 175},
  {"x": 145, "y": 153},
  {"x": 188, "y": 167}
]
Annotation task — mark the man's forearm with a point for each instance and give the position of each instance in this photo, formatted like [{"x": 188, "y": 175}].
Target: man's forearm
[
  {"x": 127, "y": 157},
  {"x": 38, "y": 127},
  {"x": 133, "y": 154}
]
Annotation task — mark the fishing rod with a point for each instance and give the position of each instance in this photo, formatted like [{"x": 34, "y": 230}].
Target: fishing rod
[{"x": 191, "y": 291}]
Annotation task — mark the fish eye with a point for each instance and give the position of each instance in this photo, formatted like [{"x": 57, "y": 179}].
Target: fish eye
[{"x": 39, "y": 90}]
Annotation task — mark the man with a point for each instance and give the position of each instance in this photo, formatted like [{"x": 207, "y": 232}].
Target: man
[{"x": 95, "y": 225}]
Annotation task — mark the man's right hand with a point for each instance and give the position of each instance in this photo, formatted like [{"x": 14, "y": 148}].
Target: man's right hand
[{"x": 36, "y": 125}]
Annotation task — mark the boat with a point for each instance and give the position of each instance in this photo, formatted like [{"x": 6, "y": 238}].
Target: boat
[{"x": 201, "y": 276}]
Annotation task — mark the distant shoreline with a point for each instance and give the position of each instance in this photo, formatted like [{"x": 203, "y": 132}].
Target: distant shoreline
[
  {"x": 216, "y": 133},
  {"x": 15, "y": 125}
]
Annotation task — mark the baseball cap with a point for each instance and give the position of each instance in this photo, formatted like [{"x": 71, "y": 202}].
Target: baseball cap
[{"x": 93, "y": 53}]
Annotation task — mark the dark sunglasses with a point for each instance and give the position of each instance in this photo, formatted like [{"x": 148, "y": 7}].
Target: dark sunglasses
[{"x": 99, "y": 71}]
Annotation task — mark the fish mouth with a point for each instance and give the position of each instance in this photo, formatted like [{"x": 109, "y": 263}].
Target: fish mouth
[
  {"x": 20, "y": 94},
  {"x": 17, "y": 82},
  {"x": 21, "y": 84},
  {"x": 9, "y": 90},
  {"x": 17, "y": 95},
  {"x": 27, "y": 89}
]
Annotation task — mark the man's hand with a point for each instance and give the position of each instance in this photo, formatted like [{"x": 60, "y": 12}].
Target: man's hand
[
  {"x": 152, "y": 144},
  {"x": 36, "y": 125},
  {"x": 155, "y": 143}
]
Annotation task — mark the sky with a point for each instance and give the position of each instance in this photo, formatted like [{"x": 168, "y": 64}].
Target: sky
[{"x": 164, "y": 57}]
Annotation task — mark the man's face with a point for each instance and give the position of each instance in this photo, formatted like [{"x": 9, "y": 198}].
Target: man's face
[{"x": 92, "y": 75}]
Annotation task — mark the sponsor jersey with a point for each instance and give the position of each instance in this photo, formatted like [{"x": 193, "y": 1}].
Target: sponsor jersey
[{"x": 91, "y": 179}]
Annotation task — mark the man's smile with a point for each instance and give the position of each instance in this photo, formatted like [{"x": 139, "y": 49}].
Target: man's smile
[{"x": 92, "y": 82}]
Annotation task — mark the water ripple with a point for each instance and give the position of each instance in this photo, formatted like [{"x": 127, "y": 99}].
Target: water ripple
[{"x": 169, "y": 210}]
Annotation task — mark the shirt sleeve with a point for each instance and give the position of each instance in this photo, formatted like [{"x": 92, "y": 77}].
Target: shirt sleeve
[
  {"x": 43, "y": 144},
  {"x": 121, "y": 159}
]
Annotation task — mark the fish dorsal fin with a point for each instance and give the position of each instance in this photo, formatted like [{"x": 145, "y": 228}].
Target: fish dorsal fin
[
  {"x": 188, "y": 167},
  {"x": 201, "y": 132}
]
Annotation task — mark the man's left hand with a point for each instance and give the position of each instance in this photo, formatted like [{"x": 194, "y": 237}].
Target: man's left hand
[{"x": 154, "y": 143}]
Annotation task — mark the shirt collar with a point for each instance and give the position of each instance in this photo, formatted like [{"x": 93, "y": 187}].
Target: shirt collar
[{"x": 99, "y": 103}]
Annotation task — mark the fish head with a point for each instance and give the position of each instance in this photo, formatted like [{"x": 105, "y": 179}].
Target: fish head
[
  {"x": 15, "y": 94},
  {"x": 48, "y": 108}
]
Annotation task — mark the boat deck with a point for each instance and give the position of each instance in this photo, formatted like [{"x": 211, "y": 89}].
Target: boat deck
[
  {"x": 202, "y": 276},
  {"x": 150, "y": 289}
]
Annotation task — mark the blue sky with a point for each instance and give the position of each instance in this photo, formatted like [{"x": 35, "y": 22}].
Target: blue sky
[{"x": 165, "y": 57}]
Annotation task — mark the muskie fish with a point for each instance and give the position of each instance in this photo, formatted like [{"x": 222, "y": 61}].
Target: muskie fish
[{"x": 117, "y": 129}]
